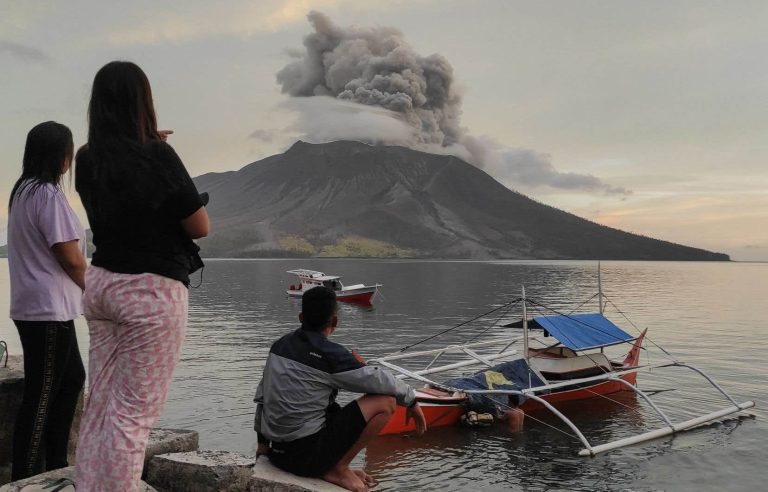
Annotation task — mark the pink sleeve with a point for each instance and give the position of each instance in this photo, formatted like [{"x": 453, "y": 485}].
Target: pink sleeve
[{"x": 55, "y": 218}]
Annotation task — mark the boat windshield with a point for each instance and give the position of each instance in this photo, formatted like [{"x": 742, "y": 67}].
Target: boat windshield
[{"x": 332, "y": 284}]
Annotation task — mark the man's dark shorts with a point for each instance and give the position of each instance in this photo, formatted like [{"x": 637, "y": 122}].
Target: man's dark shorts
[{"x": 313, "y": 455}]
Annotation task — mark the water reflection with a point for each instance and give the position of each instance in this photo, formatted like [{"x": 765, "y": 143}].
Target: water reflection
[
  {"x": 712, "y": 315},
  {"x": 422, "y": 298},
  {"x": 495, "y": 459}
]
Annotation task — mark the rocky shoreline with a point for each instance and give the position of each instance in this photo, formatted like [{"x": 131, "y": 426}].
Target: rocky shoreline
[{"x": 173, "y": 462}]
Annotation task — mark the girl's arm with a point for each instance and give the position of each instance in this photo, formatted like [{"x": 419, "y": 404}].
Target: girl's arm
[
  {"x": 71, "y": 259},
  {"x": 196, "y": 225}
]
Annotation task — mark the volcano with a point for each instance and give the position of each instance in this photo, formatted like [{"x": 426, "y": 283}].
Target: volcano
[{"x": 349, "y": 198}]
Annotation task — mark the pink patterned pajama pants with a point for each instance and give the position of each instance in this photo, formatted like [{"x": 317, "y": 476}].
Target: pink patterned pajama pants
[{"x": 136, "y": 325}]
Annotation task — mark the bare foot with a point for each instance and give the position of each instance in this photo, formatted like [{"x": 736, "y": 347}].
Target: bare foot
[
  {"x": 345, "y": 478},
  {"x": 367, "y": 479}
]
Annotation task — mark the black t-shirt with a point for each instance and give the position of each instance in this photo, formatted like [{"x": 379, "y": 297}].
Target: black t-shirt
[{"x": 135, "y": 198}]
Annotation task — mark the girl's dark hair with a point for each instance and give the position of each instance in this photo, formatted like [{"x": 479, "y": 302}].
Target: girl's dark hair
[
  {"x": 121, "y": 108},
  {"x": 48, "y": 145},
  {"x": 121, "y": 122}
]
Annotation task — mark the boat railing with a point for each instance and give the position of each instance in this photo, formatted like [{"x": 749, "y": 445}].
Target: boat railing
[
  {"x": 452, "y": 348},
  {"x": 306, "y": 273},
  {"x": 591, "y": 379},
  {"x": 475, "y": 359}
]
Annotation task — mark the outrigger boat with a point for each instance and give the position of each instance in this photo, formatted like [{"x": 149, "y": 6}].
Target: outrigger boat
[
  {"x": 568, "y": 363},
  {"x": 358, "y": 293}
]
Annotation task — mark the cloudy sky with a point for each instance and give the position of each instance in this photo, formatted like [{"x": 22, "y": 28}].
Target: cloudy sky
[{"x": 649, "y": 116}]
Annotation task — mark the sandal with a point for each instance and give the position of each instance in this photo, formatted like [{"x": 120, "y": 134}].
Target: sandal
[{"x": 59, "y": 485}]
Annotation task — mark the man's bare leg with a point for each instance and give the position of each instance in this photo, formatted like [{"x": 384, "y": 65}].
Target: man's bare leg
[
  {"x": 514, "y": 418},
  {"x": 377, "y": 410}
]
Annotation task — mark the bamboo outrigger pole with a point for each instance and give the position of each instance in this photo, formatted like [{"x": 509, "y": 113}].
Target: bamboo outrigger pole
[
  {"x": 599, "y": 289},
  {"x": 525, "y": 328},
  {"x": 525, "y": 337}
]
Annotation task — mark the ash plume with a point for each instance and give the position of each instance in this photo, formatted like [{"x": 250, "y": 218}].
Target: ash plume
[{"x": 374, "y": 67}]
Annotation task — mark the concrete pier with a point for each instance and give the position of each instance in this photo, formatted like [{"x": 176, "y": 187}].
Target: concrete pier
[
  {"x": 172, "y": 463},
  {"x": 267, "y": 477},
  {"x": 164, "y": 441},
  {"x": 45, "y": 478},
  {"x": 224, "y": 471},
  {"x": 200, "y": 471}
]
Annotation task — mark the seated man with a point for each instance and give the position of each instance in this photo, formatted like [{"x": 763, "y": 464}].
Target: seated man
[{"x": 299, "y": 424}]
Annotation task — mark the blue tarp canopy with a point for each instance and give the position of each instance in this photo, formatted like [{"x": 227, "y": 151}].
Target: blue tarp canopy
[{"x": 582, "y": 331}]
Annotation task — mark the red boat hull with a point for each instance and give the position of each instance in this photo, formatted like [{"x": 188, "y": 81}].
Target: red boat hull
[
  {"x": 365, "y": 298},
  {"x": 357, "y": 298},
  {"x": 449, "y": 413},
  {"x": 436, "y": 416},
  {"x": 601, "y": 389}
]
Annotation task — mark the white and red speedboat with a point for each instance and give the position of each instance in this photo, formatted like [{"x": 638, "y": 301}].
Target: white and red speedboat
[{"x": 358, "y": 293}]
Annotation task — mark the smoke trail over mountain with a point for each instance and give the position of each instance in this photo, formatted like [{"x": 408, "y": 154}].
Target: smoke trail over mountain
[{"x": 374, "y": 67}]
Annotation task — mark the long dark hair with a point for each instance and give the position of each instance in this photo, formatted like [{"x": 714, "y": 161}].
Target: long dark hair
[
  {"x": 121, "y": 122},
  {"x": 121, "y": 108},
  {"x": 48, "y": 146}
]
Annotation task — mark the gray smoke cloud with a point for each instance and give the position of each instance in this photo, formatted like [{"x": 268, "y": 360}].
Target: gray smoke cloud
[
  {"x": 530, "y": 168},
  {"x": 374, "y": 67}
]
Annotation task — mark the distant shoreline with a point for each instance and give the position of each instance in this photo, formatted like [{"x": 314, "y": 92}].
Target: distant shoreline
[{"x": 4, "y": 254}]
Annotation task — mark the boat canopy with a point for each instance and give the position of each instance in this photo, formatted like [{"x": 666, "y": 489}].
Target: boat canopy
[
  {"x": 581, "y": 331},
  {"x": 313, "y": 274}
]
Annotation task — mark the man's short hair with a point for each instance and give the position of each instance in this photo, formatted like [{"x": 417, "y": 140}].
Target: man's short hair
[{"x": 318, "y": 305}]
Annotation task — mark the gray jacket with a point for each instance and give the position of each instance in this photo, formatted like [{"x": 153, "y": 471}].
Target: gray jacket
[{"x": 302, "y": 376}]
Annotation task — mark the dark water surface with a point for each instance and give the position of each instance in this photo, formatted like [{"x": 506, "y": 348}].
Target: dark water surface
[{"x": 713, "y": 315}]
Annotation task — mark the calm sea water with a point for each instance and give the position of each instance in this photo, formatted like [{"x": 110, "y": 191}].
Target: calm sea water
[{"x": 714, "y": 315}]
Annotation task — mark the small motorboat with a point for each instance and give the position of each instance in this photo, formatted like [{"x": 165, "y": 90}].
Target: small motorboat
[{"x": 358, "y": 293}]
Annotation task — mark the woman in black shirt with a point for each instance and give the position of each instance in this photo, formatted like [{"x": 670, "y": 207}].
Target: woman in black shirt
[{"x": 144, "y": 211}]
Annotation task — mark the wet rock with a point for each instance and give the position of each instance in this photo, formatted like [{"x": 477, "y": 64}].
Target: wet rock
[
  {"x": 200, "y": 471},
  {"x": 268, "y": 478},
  {"x": 47, "y": 477}
]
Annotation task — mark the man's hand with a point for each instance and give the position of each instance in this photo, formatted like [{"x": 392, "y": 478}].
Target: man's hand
[{"x": 417, "y": 415}]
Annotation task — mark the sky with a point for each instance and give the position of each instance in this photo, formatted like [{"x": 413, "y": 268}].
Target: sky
[{"x": 648, "y": 116}]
